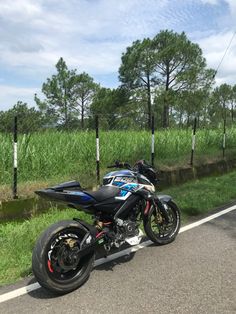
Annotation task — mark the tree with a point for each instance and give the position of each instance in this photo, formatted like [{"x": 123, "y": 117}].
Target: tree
[
  {"x": 222, "y": 96},
  {"x": 29, "y": 119},
  {"x": 179, "y": 65},
  {"x": 110, "y": 104},
  {"x": 194, "y": 101},
  {"x": 83, "y": 91},
  {"x": 58, "y": 89},
  {"x": 233, "y": 101},
  {"x": 169, "y": 61},
  {"x": 137, "y": 70}
]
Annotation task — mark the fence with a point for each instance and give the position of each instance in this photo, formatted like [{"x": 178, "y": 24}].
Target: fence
[{"x": 48, "y": 156}]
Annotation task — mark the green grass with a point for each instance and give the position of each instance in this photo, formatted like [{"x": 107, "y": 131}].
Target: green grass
[
  {"x": 198, "y": 197},
  {"x": 17, "y": 239},
  {"x": 53, "y": 155}
]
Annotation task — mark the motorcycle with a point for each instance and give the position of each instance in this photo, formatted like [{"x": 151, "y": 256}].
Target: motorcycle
[{"x": 64, "y": 254}]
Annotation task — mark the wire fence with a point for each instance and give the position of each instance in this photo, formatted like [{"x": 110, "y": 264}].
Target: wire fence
[{"x": 43, "y": 157}]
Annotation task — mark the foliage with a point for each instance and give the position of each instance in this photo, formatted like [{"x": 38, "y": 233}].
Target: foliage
[
  {"x": 110, "y": 104},
  {"x": 29, "y": 119},
  {"x": 167, "y": 64},
  {"x": 84, "y": 90},
  {"x": 58, "y": 91},
  {"x": 221, "y": 96},
  {"x": 137, "y": 70},
  {"x": 68, "y": 95}
]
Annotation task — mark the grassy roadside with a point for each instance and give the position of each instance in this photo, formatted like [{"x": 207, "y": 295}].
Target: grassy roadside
[
  {"x": 54, "y": 156},
  {"x": 17, "y": 238},
  {"x": 27, "y": 188}
]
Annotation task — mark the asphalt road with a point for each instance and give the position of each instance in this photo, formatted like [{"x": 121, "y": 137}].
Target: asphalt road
[{"x": 194, "y": 274}]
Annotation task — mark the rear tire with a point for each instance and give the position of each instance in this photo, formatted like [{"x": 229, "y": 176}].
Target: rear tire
[
  {"x": 54, "y": 273},
  {"x": 157, "y": 230}
]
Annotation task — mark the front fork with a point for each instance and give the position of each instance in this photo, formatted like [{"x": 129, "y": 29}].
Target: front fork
[{"x": 159, "y": 205}]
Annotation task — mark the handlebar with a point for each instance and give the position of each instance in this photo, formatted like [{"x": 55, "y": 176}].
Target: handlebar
[
  {"x": 141, "y": 167},
  {"x": 120, "y": 165}
]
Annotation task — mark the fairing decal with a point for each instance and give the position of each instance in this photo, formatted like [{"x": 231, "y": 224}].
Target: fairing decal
[
  {"x": 124, "y": 195},
  {"x": 118, "y": 183}
]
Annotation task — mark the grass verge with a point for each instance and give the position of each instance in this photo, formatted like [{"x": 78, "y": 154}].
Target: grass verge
[{"x": 17, "y": 239}]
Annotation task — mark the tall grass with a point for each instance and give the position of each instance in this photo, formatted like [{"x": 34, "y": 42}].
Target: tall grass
[{"x": 54, "y": 154}]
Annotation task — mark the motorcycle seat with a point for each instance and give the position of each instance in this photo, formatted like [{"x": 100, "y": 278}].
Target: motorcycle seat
[{"x": 104, "y": 193}]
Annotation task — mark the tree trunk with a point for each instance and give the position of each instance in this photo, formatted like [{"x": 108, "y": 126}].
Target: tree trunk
[
  {"x": 188, "y": 116},
  {"x": 224, "y": 110},
  {"x": 180, "y": 119},
  {"x": 166, "y": 106},
  {"x": 149, "y": 103},
  {"x": 82, "y": 113},
  {"x": 66, "y": 116},
  {"x": 232, "y": 112},
  {"x": 65, "y": 108},
  {"x": 198, "y": 120},
  {"x": 165, "y": 115}
]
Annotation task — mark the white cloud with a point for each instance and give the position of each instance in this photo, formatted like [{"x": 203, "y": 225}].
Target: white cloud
[
  {"x": 214, "y": 47},
  {"x": 213, "y": 2},
  {"x": 232, "y": 7},
  {"x": 20, "y": 9},
  {"x": 91, "y": 35},
  {"x": 9, "y": 95}
]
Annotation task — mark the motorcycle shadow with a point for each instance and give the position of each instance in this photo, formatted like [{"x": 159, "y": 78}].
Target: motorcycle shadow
[{"x": 108, "y": 265}]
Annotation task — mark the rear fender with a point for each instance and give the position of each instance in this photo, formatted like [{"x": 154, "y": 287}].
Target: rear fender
[
  {"x": 89, "y": 243},
  {"x": 86, "y": 227}
]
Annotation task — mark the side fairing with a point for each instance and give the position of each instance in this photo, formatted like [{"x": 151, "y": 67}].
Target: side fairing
[{"x": 123, "y": 177}]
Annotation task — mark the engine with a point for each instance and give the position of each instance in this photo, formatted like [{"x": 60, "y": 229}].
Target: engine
[{"x": 126, "y": 229}]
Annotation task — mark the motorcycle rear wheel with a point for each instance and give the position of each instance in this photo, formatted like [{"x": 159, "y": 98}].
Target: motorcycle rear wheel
[
  {"x": 55, "y": 263},
  {"x": 157, "y": 229}
]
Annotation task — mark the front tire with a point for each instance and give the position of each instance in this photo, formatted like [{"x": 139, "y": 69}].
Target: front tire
[
  {"x": 156, "y": 227},
  {"x": 54, "y": 261}
]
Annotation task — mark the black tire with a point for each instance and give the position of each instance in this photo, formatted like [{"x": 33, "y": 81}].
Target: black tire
[
  {"x": 60, "y": 280},
  {"x": 164, "y": 233}
]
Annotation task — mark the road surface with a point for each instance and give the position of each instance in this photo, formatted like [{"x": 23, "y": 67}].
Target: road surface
[{"x": 194, "y": 274}]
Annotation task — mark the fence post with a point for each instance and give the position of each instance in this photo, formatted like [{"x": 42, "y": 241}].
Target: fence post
[
  {"x": 153, "y": 141},
  {"x": 14, "y": 189},
  {"x": 97, "y": 149},
  {"x": 193, "y": 140},
  {"x": 224, "y": 138}
]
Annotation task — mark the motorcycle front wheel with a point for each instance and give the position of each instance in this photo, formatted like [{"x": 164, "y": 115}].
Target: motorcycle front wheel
[
  {"x": 55, "y": 261},
  {"x": 158, "y": 229}
]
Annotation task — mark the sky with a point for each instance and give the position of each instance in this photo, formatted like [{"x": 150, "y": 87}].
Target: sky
[{"x": 91, "y": 36}]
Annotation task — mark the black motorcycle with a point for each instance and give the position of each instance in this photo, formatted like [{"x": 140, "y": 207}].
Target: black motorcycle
[{"x": 64, "y": 254}]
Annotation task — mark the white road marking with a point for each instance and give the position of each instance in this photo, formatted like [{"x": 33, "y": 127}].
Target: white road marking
[
  {"x": 204, "y": 220},
  {"x": 24, "y": 290},
  {"x": 18, "y": 292}
]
